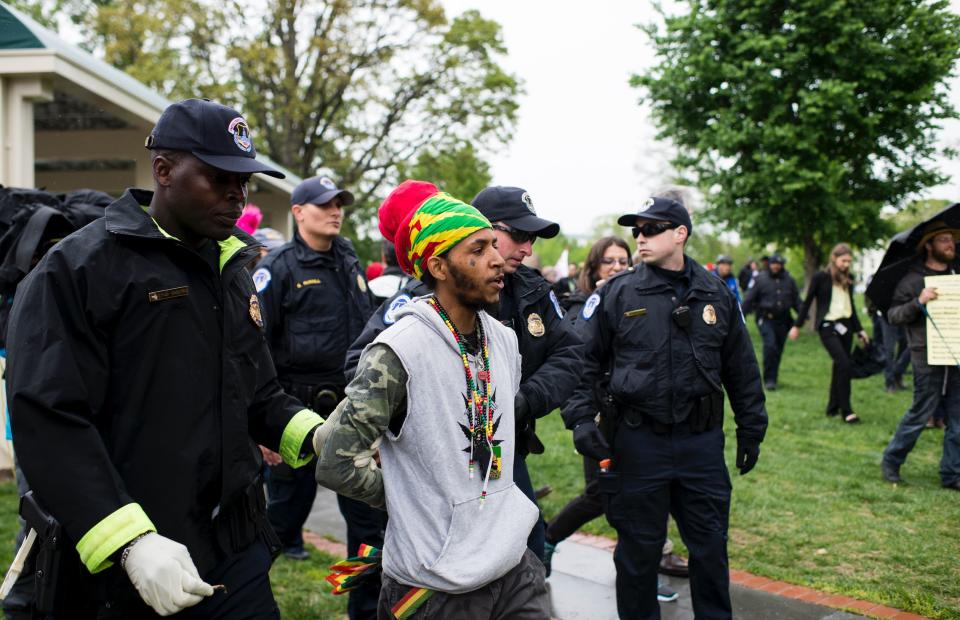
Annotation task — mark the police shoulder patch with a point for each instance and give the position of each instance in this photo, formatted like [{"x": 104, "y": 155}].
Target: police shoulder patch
[
  {"x": 390, "y": 316},
  {"x": 261, "y": 279},
  {"x": 556, "y": 304},
  {"x": 590, "y": 307}
]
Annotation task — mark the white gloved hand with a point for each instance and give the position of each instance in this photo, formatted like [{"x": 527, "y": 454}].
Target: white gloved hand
[
  {"x": 164, "y": 574},
  {"x": 369, "y": 458}
]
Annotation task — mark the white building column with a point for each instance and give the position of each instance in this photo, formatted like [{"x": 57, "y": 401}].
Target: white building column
[{"x": 17, "y": 96}]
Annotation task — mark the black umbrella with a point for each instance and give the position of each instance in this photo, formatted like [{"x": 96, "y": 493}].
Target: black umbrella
[{"x": 902, "y": 252}]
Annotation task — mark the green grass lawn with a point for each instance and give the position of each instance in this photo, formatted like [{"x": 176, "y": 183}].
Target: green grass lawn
[{"x": 815, "y": 511}]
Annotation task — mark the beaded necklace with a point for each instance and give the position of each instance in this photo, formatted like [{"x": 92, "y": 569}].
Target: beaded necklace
[{"x": 478, "y": 396}]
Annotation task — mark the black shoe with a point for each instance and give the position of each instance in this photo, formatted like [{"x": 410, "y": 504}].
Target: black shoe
[
  {"x": 673, "y": 565},
  {"x": 770, "y": 386},
  {"x": 891, "y": 389},
  {"x": 296, "y": 553},
  {"x": 953, "y": 486},
  {"x": 891, "y": 473},
  {"x": 542, "y": 492}
]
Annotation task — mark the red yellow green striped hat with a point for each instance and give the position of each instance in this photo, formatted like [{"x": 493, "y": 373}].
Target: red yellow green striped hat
[{"x": 422, "y": 222}]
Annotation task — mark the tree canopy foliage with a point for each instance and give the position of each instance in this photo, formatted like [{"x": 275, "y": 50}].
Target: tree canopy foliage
[
  {"x": 356, "y": 88},
  {"x": 800, "y": 120}
]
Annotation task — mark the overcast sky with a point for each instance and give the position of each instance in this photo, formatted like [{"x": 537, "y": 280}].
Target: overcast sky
[{"x": 583, "y": 146}]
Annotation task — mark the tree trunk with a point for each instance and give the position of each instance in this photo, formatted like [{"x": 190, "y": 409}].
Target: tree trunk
[{"x": 811, "y": 263}]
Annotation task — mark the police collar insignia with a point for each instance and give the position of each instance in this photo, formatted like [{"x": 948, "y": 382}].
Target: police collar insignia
[
  {"x": 591, "y": 306},
  {"x": 390, "y": 316},
  {"x": 361, "y": 283},
  {"x": 261, "y": 279},
  {"x": 709, "y": 315},
  {"x": 241, "y": 134},
  {"x": 527, "y": 200},
  {"x": 255, "y": 311},
  {"x": 535, "y": 325},
  {"x": 556, "y": 304}
]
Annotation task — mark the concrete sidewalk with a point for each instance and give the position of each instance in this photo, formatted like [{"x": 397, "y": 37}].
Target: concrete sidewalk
[{"x": 582, "y": 583}]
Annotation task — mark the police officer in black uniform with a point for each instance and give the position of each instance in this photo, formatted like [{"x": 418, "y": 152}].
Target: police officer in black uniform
[
  {"x": 316, "y": 302},
  {"x": 139, "y": 379},
  {"x": 550, "y": 347},
  {"x": 774, "y": 296},
  {"x": 674, "y": 341}
]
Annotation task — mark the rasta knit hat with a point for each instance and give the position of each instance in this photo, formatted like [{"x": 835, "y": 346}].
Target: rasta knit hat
[{"x": 422, "y": 221}]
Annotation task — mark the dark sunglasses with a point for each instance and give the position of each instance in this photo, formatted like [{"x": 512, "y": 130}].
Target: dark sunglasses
[
  {"x": 652, "y": 229},
  {"x": 518, "y": 236}
]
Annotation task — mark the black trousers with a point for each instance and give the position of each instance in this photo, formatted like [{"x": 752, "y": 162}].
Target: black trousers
[
  {"x": 365, "y": 525},
  {"x": 290, "y": 496},
  {"x": 774, "y": 334},
  {"x": 581, "y": 510},
  {"x": 838, "y": 346},
  {"x": 521, "y": 477},
  {"x": 678, "y": 472}
]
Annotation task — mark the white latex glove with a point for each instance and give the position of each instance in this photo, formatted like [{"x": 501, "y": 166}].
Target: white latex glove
[
  {"x": 164, "y": 574},
  {"x": 369, "y": 458}
]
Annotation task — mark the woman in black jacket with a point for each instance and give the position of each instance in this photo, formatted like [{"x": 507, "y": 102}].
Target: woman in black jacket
[{"x": 837, "y": 321}]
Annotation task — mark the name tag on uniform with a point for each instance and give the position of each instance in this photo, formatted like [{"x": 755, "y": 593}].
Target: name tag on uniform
[
  {"x": 168, "y": 293},
  {"x": 632, "y": 313}
]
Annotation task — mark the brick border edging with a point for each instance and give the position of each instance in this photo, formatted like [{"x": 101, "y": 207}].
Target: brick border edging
[{"x": 782, "y": 588}]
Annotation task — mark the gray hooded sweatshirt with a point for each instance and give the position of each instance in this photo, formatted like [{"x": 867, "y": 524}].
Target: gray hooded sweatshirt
[{"x": 439, "y": 535}]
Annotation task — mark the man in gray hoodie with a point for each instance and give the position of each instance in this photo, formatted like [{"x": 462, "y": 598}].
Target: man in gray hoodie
[{"x": 435, "y": 394}]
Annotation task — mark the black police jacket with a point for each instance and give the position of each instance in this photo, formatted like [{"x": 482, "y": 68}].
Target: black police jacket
[
  {"x": 383, "y": 317},
  {"x": 315, "y": 305},
  {"x": 140, "y": 378},
  {"x": 773, "y": 297},
  {"x": 653, "y": 367},
  {"x": 550, "y": 347}
]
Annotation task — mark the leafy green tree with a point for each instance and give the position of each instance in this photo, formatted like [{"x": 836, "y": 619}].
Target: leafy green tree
[
  {"x": 356, "y": 88},
  {"x": 801, "y": 120}
]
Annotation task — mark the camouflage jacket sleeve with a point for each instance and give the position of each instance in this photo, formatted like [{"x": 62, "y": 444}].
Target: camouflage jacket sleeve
[{"x": 376, "y": 395}]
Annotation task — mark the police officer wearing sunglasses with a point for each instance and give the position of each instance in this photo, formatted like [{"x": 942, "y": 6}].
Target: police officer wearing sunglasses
[{"x": 675, "y": 344}]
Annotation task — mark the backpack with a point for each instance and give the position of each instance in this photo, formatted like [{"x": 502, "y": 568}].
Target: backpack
[{"x": 31, "y": 222}]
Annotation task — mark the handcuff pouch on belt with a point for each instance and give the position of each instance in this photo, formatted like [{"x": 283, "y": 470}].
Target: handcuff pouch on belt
[
  {"x": 243, "y": 519},
  {"x": 707, "y": 412}
]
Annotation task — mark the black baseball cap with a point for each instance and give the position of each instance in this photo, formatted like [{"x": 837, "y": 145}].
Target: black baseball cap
[
  {"x": 659, "y": 210},
  {"x": 514, "y": 207},
  {"x": 319, "y": 191},
  {"x": 723, "y": 258},
  {"x": 777, "y": 258},
  {"x": 215, "y": 134}
]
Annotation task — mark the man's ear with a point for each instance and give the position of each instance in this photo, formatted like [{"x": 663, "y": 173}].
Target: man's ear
[
  {"x": 296, "y": 209},
  {"x": 682, "y": 232},
  {"x": 163, "y": 170},
  {"x": 437, "y": 267}
]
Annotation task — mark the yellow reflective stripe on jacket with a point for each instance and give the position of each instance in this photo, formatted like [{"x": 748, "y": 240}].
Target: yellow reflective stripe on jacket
[
  {"x": 294, "y": 435},
  {"x": 111, "y": 534},
  {"x": 228, "y": 248}
]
